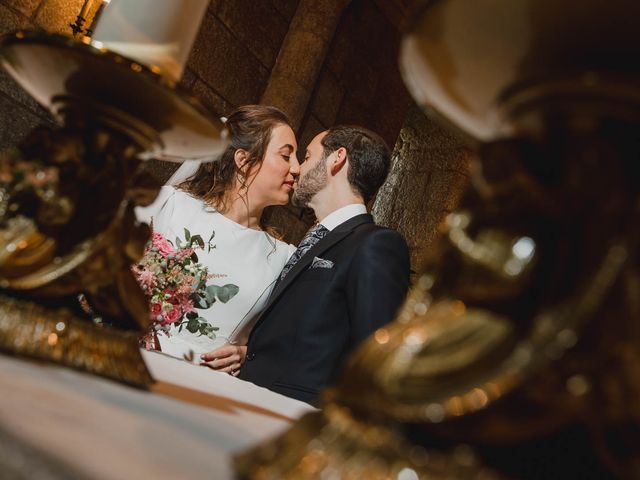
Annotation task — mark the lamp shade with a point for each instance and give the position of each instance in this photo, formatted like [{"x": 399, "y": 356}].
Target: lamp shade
[{"x": 156, "y": 34}]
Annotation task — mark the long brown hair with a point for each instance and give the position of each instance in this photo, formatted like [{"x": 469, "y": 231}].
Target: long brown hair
[{"x": 250, "y": 129}]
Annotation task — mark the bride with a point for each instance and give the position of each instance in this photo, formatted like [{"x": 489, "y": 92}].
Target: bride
[{"x": 222, "y": 204}]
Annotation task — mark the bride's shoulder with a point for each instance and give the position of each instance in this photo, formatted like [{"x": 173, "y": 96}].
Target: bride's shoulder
[{"x": 283, "y": 247}]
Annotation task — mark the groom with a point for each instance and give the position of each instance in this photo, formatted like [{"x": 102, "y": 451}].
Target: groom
[{"x": 347, "y": 278}]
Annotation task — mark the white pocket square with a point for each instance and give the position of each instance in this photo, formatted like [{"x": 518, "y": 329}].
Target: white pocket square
[{"x": 321, "y": 263}]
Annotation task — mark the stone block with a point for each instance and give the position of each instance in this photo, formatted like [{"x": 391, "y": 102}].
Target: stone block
[
  {"x": 352, "y": 112},
  {"x": 25, "y": 7},
  {"x": 187, "y": 80},
  {"x": 227, "y": 65},
  {"x": 340, "y": 50},
  {"x": 368, "y": 26},
  {"x": 327, "y": 98},
  {"x": 11, "y": 20},
  {"x": 254, "y": 24},
  {"x": 9, "y": 87},
  {"x": 291, "y": 222},
  {"x": 310, "y": 129},
  {"x": 56, "y": 15},
  {"x": 213, "y": 102},
  {"x": 161, "y": 170},
  {"x": 286, "y": 8},
  {"x": 360, "y": 79},
  {"x": 16, "y": 122}
]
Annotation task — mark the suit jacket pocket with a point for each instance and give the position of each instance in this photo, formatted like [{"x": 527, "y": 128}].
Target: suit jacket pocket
[{"x": 317, "y": 274}]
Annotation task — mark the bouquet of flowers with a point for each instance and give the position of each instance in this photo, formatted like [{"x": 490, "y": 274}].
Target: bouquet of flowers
[{"x": 176, "y": 284}]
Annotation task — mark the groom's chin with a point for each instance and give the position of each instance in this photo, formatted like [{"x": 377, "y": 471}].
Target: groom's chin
[{"x": 296, "y": 201}]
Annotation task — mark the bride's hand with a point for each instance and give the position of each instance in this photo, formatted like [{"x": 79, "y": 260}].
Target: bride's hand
[{"x": 228, "y": 358}]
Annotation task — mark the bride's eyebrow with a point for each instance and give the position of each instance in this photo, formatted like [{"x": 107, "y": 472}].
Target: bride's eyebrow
[{"x": 288, "y": 147}]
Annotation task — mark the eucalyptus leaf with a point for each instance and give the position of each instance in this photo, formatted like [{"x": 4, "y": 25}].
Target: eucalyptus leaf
[
  {"x": 193, "y": 325},
  {"x": 227, "y": 292},
  {"x": 203, "y": 302},
  {"x": 187, "y": 235}
]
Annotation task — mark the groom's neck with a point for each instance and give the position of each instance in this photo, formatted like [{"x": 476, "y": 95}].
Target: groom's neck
[{"x": 328, "y": 200}]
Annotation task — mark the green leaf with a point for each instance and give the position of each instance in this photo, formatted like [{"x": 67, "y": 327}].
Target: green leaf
[
  {"x": 193, "y": 325},
  {"x": 197, "y": 239},
  {"x": 191, "y": 315},
  {"x": 224, "y": 293},
  {"x": 194, "y": 257},
  {"x": 187, "y": 235},
  {"x": 213, "y": 234},
  {"x": 203, "y": 302}
]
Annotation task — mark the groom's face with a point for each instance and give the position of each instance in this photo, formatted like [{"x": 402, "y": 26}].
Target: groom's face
[{"x": 313, "y": 173}]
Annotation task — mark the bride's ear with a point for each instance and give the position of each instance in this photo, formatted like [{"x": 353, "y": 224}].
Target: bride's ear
[{"x": 241, "y": 158}]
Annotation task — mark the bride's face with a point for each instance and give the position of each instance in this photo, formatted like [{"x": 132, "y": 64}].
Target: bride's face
[{"x": 273, "y": 179}]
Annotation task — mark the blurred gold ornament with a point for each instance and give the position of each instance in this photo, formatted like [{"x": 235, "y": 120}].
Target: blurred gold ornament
[
  {"x": 67, "y": 196},
  {"x": 519, "y": 342}
]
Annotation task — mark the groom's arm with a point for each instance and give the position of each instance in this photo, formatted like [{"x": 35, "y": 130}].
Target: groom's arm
[{"x": 377, "y": 283}]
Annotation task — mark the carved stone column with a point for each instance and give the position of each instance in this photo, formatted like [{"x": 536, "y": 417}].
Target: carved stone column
[{"x": 301, "y": 56}]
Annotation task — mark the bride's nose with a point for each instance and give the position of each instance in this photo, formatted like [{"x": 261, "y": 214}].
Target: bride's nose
[{"x": 294, "y": 166}]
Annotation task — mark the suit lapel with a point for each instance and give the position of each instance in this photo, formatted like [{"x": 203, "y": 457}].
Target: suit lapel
[{"x": 336, "y": 235}]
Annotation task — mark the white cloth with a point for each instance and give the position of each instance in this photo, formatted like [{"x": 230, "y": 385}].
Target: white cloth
[
  {"x": 341, "y": 215},
  {"x": 248, "y": 258},
  {"x": 84, "y": 426}
]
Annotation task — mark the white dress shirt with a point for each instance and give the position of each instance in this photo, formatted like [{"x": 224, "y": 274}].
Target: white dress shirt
[{"x": 343, "y": 214}]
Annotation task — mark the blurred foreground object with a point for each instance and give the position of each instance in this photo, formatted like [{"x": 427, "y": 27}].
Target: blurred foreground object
[
  {"x": 517, "y": 353},
  {"x": 67, "y": 197}
]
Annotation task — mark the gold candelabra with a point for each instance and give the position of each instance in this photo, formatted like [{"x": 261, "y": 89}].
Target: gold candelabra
[
  {"x": 517, "y": 352},
  {"x": 67, "y": 196}
]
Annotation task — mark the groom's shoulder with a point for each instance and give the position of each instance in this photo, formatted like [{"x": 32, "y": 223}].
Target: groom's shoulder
[{"x": 372, "y": 233}]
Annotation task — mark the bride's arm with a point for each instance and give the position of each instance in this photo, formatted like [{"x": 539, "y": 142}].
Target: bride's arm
[{"x": 228, "y": 358}]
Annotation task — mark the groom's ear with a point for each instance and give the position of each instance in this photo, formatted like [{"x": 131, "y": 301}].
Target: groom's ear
[
  {"x": 241, "y": 158},
  {"x": 338, "y": 161}
]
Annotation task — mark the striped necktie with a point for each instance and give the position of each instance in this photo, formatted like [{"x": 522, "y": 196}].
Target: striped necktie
[{"x": 312, "y": 237}]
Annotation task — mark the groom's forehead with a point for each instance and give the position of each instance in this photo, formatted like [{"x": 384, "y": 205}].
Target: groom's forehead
[{"x": 316, "y": 143}]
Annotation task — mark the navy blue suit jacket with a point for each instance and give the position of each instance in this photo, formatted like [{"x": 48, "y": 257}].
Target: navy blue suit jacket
[{"x": 315, "y": 317}]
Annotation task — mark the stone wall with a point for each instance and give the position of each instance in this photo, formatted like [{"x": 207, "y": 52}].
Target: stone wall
[
  {"x": 429, "y": 174},
  {"x": 358, "y": 82}
]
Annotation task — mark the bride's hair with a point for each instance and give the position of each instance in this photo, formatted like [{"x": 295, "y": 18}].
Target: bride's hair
[{"x": 250, "y": 129}]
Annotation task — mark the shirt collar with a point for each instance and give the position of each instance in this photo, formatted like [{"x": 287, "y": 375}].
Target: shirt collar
[{"x": 338, "y": 217}]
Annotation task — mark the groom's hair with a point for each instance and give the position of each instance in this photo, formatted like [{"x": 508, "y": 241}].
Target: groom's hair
[{"x": 368, "y": 155}]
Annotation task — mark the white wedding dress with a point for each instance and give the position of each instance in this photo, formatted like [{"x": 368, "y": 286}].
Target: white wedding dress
[{"x": 248, "y": 258}]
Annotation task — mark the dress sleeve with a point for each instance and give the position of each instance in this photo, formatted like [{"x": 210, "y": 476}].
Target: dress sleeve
[{"x": 163, "y": 201}]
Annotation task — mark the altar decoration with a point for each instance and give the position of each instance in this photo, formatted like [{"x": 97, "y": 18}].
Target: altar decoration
[
  {"x": 517, "y": 352},
  {"x": 76, "y": 232}
]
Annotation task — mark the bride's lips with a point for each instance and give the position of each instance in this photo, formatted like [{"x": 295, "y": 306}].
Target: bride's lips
[{"x": 289, "y": 184}]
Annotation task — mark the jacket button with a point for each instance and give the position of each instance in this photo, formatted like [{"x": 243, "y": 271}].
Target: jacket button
[{"x": 251, "y": 356}]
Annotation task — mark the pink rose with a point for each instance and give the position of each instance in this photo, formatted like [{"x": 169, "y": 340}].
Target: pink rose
[
  {"x": 162, "y": 244},
  {"x": 155, "y": 309},
  {"x": 171, "y": 316}
]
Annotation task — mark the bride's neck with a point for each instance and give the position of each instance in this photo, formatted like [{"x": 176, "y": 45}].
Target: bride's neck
[{"x": 239, "y": 209}]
